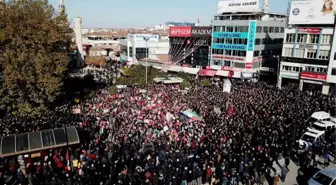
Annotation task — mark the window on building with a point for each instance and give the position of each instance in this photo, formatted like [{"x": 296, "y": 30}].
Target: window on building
[
  {"x": 256, "y": 53},
  {"x": 289, "y": 37},
  {"x": 314, "y": 38},
  {"x": 263, "y": 41},
  {"x": 223, "y": 29},
  {"x": 256, "y": 41},
  {"x": 335, "y": 56},
  {"x": 228, "y": 40},
  {"x": 299, "y": 53},
  {"x": 217, "y": 28},
  {"x": 259, "y": 29},
  {"x": 321, "y": 70},
  {"x": 282, "y": 30},
  {"x": 287, "y": 52},
  {"x": 296, "y": 69},
  {"x": 217, "y": 62},
  {"x": 130, "y": 51},
  {"x": 311, "y": 53},
  {"x": 245, "y": 28},
  {"x": 333, "y": 71},
  {"x": 309, "y": 68},
  {"x": 265, "y": 29},
  {"x": 239, "y": 65},
  {"x": 227, "y": 52},
  {"x": 286, "y": 68},
  {"x": 326, "y": 39},
  {"x": 229, "y": 29},
  {"x": 227, "y": 63},
  {"x": 276, "y": 29},
  {"x": 324, "y": 54},
  {"x": 301, "y": 38},
  {"x": 271, "y": 29}
]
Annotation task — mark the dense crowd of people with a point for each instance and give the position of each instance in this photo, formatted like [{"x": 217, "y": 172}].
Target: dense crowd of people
[{"x": 140, "y": 136}]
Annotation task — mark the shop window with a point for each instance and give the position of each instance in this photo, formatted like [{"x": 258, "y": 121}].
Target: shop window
[{"x": 217, "y": 62}]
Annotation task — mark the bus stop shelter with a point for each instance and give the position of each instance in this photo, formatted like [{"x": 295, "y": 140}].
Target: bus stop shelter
[{"x": 37, "y": 141}]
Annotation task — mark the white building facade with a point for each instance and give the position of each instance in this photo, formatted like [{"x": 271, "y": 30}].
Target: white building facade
[
  {"x": 308, "y": 50},
  {"x": 135, "y": 46}
]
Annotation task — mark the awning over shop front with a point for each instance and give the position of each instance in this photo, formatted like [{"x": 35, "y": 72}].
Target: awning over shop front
[
  {"x": 207, "y": 72},
  {"x": 223, "y": 73},
  {"x": 191, "y": 70}
]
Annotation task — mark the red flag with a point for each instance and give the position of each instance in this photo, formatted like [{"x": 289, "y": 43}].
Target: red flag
[{"x": 230, "y": 111}]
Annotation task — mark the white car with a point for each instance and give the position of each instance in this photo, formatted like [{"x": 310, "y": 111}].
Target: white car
[
  {"x": 309, "y": 138},
  {"x": 324, "y": 177},
  {"x": 321, "y": 126},
  {"x": 320, "y": 116}
]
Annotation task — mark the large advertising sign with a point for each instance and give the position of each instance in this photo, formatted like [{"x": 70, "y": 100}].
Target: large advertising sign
[
  {"x": 238, "y": 6},
  {"x": 180, "y": 31},
  {"x": 201, "y": 31},
  {"x": 240, "y": 35},
  {"x": 251, "y": 36},
  {"x": 312, "y": 12}
]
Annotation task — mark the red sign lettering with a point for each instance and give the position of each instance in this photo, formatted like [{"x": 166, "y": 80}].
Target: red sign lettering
[
  {"x": 227, "y": 57},
  {"x": 310, "y": 30},
  {"x": 180, "y": 31},
  {"x": 314, "y": 76},
  {"x": 248, "y": 65}
]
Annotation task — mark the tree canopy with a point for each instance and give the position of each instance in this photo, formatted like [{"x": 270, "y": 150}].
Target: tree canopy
[{"x": 36, "y": 43}]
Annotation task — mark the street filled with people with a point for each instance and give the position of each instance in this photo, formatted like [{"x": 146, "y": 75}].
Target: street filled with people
[{"x": 140, "y": 135}]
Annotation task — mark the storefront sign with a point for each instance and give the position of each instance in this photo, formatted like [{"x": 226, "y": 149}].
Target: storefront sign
[
  {"x": 248, "y": 65},
  {"x": 309, "y": 30},
  {"x": 240, "y": 47},
  {"x": 180, "y": 31},
  {"x": 201, "y": 31},
  {"x": 240, "y": 35},
  {"x": 224, "y": 57},
  {"x": 251, "y": 35},
  {"x": 314, "y": 76},
  {"x": 306, "y": 46}
]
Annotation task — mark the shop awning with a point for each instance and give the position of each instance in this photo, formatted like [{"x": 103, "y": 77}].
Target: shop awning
[
  {"x": 207, "y": 72},
  {"x": 223, "y": 73},
  {"x": 191, "y": 70}
]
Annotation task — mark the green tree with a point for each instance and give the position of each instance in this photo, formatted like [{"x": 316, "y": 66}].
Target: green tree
[
  {"x": 206, "y": 83},
  {"x": 33, "y": 63}
]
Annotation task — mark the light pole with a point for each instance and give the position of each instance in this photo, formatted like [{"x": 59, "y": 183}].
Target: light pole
[{"x": 146, "y": 39}]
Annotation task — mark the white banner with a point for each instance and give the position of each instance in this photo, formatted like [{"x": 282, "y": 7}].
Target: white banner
[
  {"x": 238, "y": 6},
  {"x": 312, "y": 12},
  {"x": 140, "y": 37}
]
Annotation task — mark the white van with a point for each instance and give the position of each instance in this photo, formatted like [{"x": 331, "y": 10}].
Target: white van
[
  {"x": 320, "y": 116},
  {"x": 322, "y": 126},
  {"x": 324, "y": 177}
]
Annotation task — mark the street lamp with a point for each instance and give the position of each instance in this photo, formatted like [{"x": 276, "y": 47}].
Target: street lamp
[{"x": 146, "y": 39}]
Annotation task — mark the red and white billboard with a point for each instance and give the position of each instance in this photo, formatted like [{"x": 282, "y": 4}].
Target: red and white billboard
[
  {"x": 314, "y": 76},
  {"x": 309, "y": 30},
  {"x": 180, "y": 31}
]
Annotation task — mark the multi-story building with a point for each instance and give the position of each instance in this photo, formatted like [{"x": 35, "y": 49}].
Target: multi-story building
[
  {"x": 135, "y": 47},
  {"x": 308, "y": 54},
  {"x": 246, "y": 40},
  {"x": 190, "y": 45}
]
